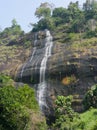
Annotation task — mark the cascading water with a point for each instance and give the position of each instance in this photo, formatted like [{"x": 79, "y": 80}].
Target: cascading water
[
  {"x": 31, "y": 58},
  {"x": 37, "y": 65},
  {"x": 34, "y": 49},
  {"x": 23, "y": 70},
  {"x": 42, "y": 83}
]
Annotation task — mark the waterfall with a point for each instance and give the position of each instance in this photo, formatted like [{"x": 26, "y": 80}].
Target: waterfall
[
  {"x": 31, "y": 58},
  {"x": 37, "y": 63},
  {"x": 23, "y": 68},
  {"x": 41, "y": 94},
  {"x": 34, "y": 50}
]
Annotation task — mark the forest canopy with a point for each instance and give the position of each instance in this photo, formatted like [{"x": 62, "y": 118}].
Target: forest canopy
[{"x": 78, "y": 19}]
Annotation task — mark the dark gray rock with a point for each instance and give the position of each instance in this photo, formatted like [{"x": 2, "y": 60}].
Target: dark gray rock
[{"x": 69, "y": 72}]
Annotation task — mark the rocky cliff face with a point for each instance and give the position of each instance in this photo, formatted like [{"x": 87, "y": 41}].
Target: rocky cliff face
[
  {"x": 75, "y": 69},
  {"x": 14, "y": 54},
  {"x": 29, "y": 72},
  {"x": 71, "y": 70}
]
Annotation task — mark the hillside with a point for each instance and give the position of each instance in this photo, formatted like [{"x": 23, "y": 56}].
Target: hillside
[{"x": 70, "y": 64}]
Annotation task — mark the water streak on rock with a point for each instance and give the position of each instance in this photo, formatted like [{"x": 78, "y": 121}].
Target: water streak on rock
[
  {"x": 32, "y": 56},
  {"x": 42, "y": 82}
]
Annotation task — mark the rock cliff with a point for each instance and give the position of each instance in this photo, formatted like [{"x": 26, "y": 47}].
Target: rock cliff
[{"x": 71, "y": 70}]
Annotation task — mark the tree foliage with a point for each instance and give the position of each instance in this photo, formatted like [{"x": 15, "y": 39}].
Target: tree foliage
[
  {"x": 11, "y": 33},
  {"x": 15, "y": 29},
  {"x": 44, "y": 10},
  {"x": 90, "y": 99},
  {"x": 60, "y": 15},
  {"x": 14, "y": 22},
  {"x": 75, "y": 17},
  {"x": 64, "y": 113},
  {"x": 17, "y": 106}
]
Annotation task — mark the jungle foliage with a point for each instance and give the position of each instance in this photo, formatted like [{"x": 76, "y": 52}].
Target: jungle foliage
[
  {"x": 11, "y": 33},
  {"x": 77, "y": 19},
  {"x": 67, "y": 119},
  {"x": 18, "y": 107}
]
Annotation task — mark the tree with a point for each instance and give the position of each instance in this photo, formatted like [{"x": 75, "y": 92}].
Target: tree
[
  {"x": 60, "y": 15},
  {"x": 90, "y": 99},
  {"x": 44, "y": 14},
  {"x": 90, "y": 5},
  {"x": 74, "y": 10},
  {"x": 19, "y": 109},
  {"x": 90, "y": 9},
  {"x": 46, "y": 24},
  {"x": 15, "y": 105},
  {"x": 87, "y": 5},
  {"x": 78, "y": 25},
  {"x": 14, "y": 22},
  {"x": 11, "y": 33},
  {"x": 60, "y": 12},
  {"x": 44, "y": 10},
  {"x": 64, "y": 114},
  {"x": 15, "y": 29},
  {"x": 94, "y": 4}
]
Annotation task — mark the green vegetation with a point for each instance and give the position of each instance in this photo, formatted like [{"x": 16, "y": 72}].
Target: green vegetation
[
  {"x": 77, "y": 26},
  {"x": 5, "y": 81},
  {"x": 67, "y": 119},
  {"x": 11, "y": 33},
  {"x": 44, "y": 10},
  {"x": 87, "y": 121},
  {"x": 65, "y": 115},
  {"x": 90, "y": 99},
  {"x": 76, "y": 19},
  {"x": 13, "y": 56},
  {"x": 18, "y": 107}
]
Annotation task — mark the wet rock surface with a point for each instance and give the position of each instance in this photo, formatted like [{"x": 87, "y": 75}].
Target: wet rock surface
[{"x": 70, "y": 70}]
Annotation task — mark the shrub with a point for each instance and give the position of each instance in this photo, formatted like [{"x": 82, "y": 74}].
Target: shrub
[
  {"x": 90, "y": 99},
  {"x": 90, "y": 34},
  {"x": 64, "y": 113},
  {"x": 15, "y": 105},
  {"x": 19, "y": 109}
]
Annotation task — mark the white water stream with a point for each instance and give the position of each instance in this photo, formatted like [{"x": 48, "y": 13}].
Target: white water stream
[
  {"x": 41, "y": 92},
  {"x": 32, "y": 56},
  {"x": 42, "y": 83}
]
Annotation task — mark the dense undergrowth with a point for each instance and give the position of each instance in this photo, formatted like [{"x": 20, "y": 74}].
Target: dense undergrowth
[
  {"x": 19, "y": 109},
  {"x": 67, "y": 119}
]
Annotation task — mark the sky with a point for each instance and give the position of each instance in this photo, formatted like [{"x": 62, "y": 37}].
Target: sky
[{"x": 23, "y": 11}]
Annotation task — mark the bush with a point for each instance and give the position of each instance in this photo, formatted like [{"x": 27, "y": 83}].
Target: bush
[
  {"x": 19, "y": 109},
  {"x": 27, "y": 44},
  {"x": 90, "y": 34},
  {"x": 46, "y": 23},
  {"x": 64, "y": 113},
  {"x": 87, "y": 121},
  {"x": 90, "y": 99},
  {"x": 15, "y": 105},
  {"x": 5, "y": 81}
]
